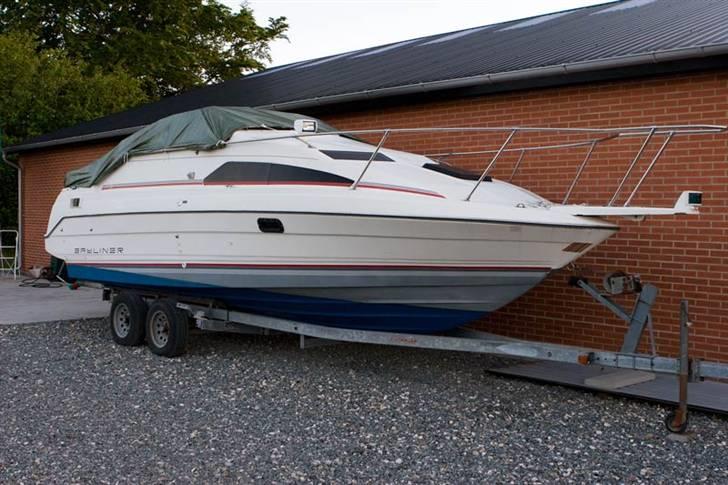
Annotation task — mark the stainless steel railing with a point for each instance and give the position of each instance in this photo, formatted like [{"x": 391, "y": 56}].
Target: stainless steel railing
[
  {"x": 598, "y": 136},
  {"x": 668, "y": 132}
]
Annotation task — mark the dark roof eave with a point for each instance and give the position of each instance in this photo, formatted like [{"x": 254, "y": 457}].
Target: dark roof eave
[
  {"x": 103, "y": 135},
  {"x": 510, "y": 76},
  {"x": 430, "y": 86}
]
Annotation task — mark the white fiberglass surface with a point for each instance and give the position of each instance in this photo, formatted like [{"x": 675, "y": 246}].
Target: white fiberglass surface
[{"x": 406, "y": 171}]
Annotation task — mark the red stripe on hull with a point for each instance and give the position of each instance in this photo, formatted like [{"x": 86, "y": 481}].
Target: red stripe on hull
[
  {"x": 253, "y": 184},
  {"x": 314, "y": 266}
]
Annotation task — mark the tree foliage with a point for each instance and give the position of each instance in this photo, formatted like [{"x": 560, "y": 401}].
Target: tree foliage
[
  {"x": 44, "y": 90},
  {"x": 67, "y": 61},
  {"x": 170, "y": 45}
]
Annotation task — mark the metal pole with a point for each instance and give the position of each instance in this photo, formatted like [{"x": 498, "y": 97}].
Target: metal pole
[
  {"x": 649, "y": 168},
  {"x": 632, "y": 165},
  {"x": 518, "y": 164},
  {"x": 371, "y": 159},
  {"x": 492, "y": 162},
  {"x": 581, "y": 169},
  {"x": 525, "y": 149},
  {"x": 678, "y": 421}
]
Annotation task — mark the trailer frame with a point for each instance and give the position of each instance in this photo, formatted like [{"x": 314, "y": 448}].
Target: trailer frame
[{"x": 209, "y": 315}]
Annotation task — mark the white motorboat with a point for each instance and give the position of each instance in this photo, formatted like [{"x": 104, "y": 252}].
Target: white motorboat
[{"x": 266, "y": 213}]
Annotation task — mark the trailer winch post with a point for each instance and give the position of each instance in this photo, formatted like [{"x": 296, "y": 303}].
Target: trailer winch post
[{"x": 637, "y": 319}]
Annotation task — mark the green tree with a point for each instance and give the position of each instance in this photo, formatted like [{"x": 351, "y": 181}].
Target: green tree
[
  {"x": 42, "y": 91},
  {"x": 170, "y": 45}
]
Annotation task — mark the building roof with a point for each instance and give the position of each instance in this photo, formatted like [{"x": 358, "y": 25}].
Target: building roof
[{"x": 611, "y": 36}]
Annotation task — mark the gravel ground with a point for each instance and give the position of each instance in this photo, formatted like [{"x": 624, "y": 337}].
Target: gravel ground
[{"x": 77, "y": 408}]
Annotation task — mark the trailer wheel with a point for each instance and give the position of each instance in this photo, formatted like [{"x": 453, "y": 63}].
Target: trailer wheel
[
  {"x": 167, "y": 329},
  {"x": 128, "y": 317},
  {"x": 669, "y": 423}
]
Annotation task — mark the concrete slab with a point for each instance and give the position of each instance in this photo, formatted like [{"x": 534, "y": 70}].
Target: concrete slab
[
  {"x": 32, "y": 305},
  {"x": 710, "y": 396},
  {"x": 615, "y": 380}
]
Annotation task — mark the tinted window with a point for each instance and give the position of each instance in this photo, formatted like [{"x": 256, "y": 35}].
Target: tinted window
[
  {"x": 452, "y": 171},
  {"x": 352, "y": 155},
  {"x": 231, "y": 172}
]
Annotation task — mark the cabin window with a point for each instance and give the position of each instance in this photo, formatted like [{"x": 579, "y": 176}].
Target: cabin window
[
  {"x": 452, "y": 171},
  {"x": 270, "y": 173},
  {"x": 354, "y": 155}
]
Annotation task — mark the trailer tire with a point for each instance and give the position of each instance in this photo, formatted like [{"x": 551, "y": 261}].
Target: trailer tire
[
  {"x": 167, "y": 328},
  {"x": 127, "y": 318}
]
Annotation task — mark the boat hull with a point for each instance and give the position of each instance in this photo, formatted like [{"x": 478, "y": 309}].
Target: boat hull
[
  {"x": 415, "y": 301},
  {"x": 363, "y": 271}
]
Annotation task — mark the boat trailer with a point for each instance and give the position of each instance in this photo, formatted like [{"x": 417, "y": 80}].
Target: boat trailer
[{"x": 208, "y": 316}]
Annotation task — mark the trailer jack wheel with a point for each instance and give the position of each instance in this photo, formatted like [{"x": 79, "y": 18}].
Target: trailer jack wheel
[
  {"x": 167, "y": 328},
  {"x": 128, "y": 317},
  {"x": 673, "y": 426}
]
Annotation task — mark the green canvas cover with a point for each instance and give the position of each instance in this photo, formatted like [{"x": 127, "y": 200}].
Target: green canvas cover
[{"x": 201, "y": 129}]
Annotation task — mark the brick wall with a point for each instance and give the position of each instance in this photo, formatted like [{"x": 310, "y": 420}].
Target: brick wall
[
  {"x": 43, "y": 174},
  {"x": 686, "y": 256}
]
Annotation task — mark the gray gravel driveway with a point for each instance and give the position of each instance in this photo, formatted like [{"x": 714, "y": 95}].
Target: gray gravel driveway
[{"x": 77, "y": 408}]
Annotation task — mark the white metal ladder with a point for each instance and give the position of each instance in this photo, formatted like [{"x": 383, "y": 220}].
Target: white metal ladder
[{"x": 9, "y": 252}]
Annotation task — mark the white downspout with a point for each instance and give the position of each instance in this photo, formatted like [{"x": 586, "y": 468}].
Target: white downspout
[{"x": 20, "y": 205}]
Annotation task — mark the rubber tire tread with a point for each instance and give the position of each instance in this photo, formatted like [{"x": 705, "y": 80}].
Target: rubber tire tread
[
  {"x": 178, "y": 331},
  {"x": 137, "y": 319}
]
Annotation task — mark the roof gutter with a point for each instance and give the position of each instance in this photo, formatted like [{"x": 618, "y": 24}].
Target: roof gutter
[
  {"x": 510, "y": 76},
  {"x": 102, "y": 135},
  {"x": 20, "y": 204}
]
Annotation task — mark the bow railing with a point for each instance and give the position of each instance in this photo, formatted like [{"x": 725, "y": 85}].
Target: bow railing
[{"x": 596, "y": 137}]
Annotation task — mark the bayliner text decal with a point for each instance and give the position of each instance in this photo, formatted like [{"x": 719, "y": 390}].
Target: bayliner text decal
[{"x": 107, "y": 250}]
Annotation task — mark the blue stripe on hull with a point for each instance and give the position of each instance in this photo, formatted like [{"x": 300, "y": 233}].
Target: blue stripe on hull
[{"x": 322, "y": 311}]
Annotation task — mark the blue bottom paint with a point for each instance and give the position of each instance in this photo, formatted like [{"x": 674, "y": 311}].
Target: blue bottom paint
[{"x": 322, "y": 311}]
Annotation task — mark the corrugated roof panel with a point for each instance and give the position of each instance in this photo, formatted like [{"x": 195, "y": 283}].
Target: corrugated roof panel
[
  {"x": 456, "y": 35},
  {"x": 626, "y": 5},
  {"x": 323, "y": 61},
  {"x": 276, "y": 69},
  {"x": 387, "y": 48},
  {"x": 627, "y": 28},
  {"x": 534, "y": 21}
]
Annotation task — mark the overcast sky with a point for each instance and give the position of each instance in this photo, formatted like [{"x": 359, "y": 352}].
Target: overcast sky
[{"x": 322, "y": 27}]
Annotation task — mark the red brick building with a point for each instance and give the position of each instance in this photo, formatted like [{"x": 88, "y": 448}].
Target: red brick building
[{"x": 633, "y": 62}]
